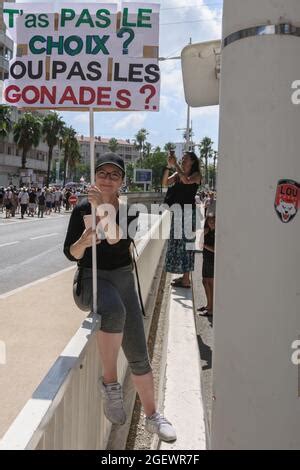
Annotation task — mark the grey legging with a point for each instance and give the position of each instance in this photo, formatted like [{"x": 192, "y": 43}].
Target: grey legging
[{"x": 120, "y": 311}]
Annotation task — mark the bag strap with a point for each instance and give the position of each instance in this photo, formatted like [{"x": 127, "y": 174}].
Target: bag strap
[{"x": 137, "y": 278}]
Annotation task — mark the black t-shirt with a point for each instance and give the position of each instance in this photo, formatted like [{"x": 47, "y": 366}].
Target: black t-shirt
[
  {"x": 109, "y": 257},
  {"x": 183, "y": 193},
  {"x": 42, "y": 199}
]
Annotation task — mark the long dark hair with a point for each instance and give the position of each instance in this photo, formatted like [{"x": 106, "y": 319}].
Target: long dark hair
[{"x": 195, "y": 165}]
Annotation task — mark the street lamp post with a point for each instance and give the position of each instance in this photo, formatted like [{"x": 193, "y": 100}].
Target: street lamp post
[
  {"x": 188, "y": 136},
  {"x": 188, "y": 132},
  {"x": 256, "y": 354}
]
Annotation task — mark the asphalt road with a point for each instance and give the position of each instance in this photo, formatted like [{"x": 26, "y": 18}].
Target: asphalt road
[{"x": 31, "y": 249}]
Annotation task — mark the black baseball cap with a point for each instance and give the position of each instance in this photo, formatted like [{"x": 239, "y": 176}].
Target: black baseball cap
[{"x": 112, "y": 159}]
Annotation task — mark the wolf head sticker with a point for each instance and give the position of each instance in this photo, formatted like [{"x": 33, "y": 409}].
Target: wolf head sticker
[{"x": 287, "y": 200}]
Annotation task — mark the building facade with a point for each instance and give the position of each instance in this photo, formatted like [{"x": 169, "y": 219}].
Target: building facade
[
  {"x": 10, "y": 161},
  {"x": 10, "y": 155},
  {"x": 126, "y": 149},
  {"x": 6, "y": 47}
]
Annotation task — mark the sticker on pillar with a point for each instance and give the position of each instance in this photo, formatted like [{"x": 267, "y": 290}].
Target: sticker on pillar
[{"x": 287, "y": 200}]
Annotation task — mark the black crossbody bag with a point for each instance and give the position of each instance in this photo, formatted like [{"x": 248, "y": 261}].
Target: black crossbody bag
[{"x": 137, "y": 277}]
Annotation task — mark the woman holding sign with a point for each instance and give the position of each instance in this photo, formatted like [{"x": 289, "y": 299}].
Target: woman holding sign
[{"x": 118, "y": 303}]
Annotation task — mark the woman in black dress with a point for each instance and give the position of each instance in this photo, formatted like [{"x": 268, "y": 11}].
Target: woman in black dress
[{"x": 185, "y": 181}]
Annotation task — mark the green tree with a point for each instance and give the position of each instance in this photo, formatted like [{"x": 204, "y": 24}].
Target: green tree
[
  {"x": 140, "y": 140},
  {"x": 148, "y": 148},
  {"x": 75, "y": 157},
  {"x": 169, "y": 146},
  {"x": 206, "y": 152},
  {"x": 71, "y": 149},
  {"x": 27, "y": 134},
  {"x": 156, "y": 162},
  {"x": 5, "y": 121},
  {"x": 53, "y": 127},
  {"x": 211, "y": 176},
  {"x": 82, "y": 169},
  {"x": 129, "y": 174},
  {"x": 113, "y": 144}
]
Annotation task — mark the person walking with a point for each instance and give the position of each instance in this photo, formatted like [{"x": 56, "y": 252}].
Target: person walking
[
  {"x": 41, "y": 204},
  {"x": 24, "y": 200}
]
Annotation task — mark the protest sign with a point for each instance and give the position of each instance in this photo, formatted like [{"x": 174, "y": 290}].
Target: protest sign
[{"x": 94, "y": 56}]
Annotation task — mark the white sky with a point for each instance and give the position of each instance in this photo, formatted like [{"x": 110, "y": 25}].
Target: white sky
[{"x": 180, "y": 20}]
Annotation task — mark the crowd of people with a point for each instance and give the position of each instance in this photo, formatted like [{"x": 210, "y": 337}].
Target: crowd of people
[{"x": 35, "y": 201}]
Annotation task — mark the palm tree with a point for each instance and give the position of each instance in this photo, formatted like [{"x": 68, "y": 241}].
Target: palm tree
[
  {"x": 148, "y": 148},
  {"x": 113, "y": 145},
  {"x": 74, "y": 156},
  {"x": 52, "y": 129},
  {"x": 5, "y": 121},
  {"x": 71, "y": 148},
  {"x": 140, "y": 139},
  {"x": 206, "y": 151},
  {"x": 27, "y": 134},
  {"x": 169, "y": 146}
]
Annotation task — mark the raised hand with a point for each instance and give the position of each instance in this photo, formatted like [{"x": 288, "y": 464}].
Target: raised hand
[
  {"x": 172, "y": 160},
  {"x": 86, "y": 239},
  {"x": 95, "y": 196}
]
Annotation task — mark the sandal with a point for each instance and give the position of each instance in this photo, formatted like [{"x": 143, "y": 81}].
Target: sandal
[
  {"x": 177, "y": 281},
  {"x": 179, "y": 284},
  {"x": 205, "y": 313},
  {"x": 201, "y": 309}
]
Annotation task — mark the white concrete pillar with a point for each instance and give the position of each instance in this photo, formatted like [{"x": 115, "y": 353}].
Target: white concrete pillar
[{"x": 257, "y": 300}]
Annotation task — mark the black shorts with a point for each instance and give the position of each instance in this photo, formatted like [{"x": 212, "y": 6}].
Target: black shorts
[{"x": 208, "y": 266}]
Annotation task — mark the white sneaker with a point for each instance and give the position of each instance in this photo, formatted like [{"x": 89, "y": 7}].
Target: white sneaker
[
  {"x": 159, "y": 425},
  {"x": 112, "y": 395}
]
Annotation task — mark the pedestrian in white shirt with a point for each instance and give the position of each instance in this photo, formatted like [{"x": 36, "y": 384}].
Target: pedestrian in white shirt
[{"x": 24, "y": 200}]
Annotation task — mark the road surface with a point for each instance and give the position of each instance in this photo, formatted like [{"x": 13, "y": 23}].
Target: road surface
[{"x": 31, "y": 249}]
